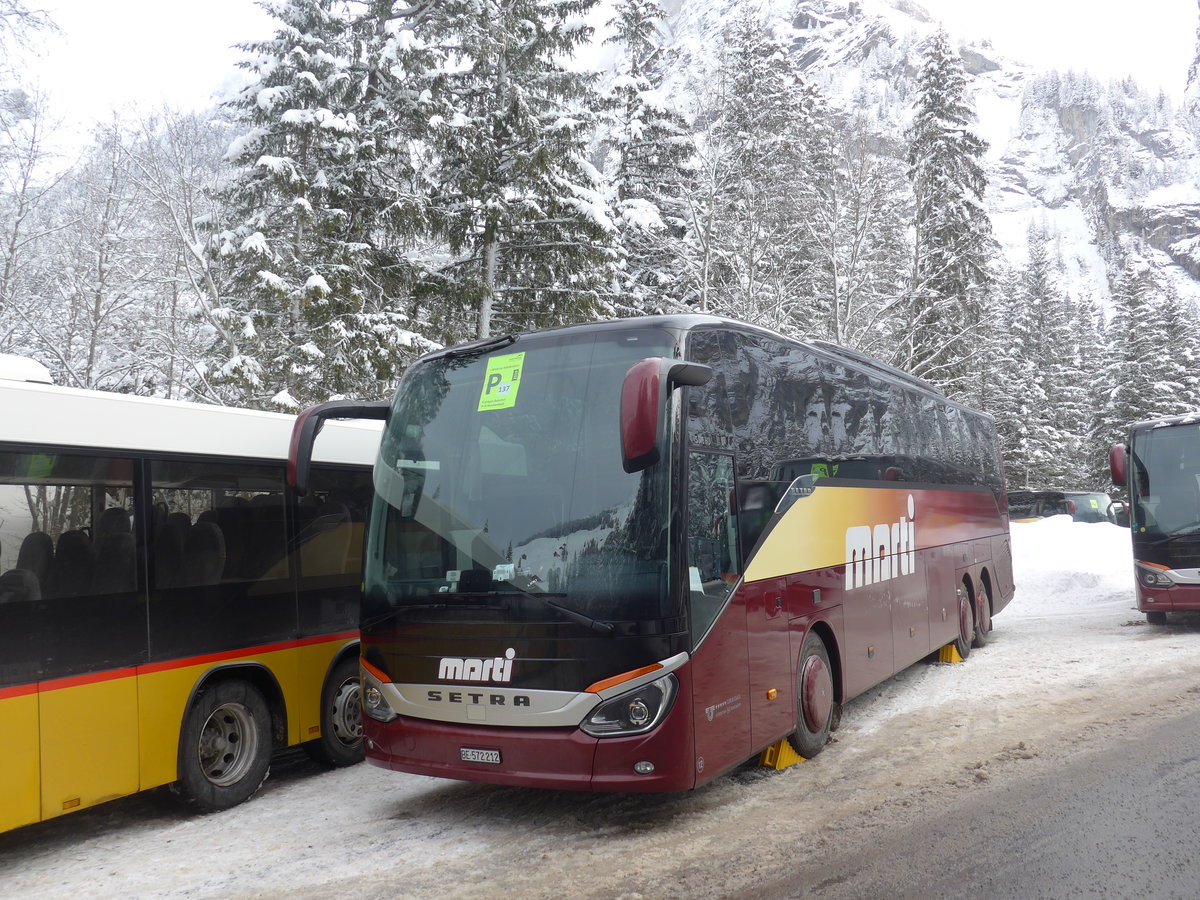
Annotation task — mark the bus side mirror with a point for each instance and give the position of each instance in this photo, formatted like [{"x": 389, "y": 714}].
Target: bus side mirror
[
  {"x": 308, "y": 426},
  {"x": 1116, "y": 463},
  {"x": 644, "y": 393}
]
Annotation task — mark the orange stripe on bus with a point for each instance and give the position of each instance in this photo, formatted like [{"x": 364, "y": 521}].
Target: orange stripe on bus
[
  {"x": 620, "y": 679},
  {"x": 386, "y": 679},
  {"x": 71, "y": 681}
]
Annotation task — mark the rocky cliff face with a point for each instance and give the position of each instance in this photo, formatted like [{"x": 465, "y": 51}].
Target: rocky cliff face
[{"x": 1112, "y": 170}]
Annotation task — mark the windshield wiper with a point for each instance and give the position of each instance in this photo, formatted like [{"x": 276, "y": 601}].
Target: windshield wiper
[
  {"x": 477, "y": 348},
  {"x": 1189, "y": 530},
  {"x": 597, "y": 625}
]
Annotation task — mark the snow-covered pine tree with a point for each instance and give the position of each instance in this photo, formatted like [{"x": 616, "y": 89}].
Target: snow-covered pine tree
[
  {"x": 748, "y": 217},
  {"x": 1180, "y": 356},
  {"x": 1090, "y": 348},
  {"x": 854, "y": 212},
  {"x": 649, "y": 148},
  {"x": 517, "y": 201},
  {"x": 1014, "y": 385},
  {"x": 954, "y": 245},
  {"x": 315, "y": 294},
  {"x": 1134, "y": 387}
]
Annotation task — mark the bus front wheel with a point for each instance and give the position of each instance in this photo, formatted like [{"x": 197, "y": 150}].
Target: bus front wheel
[
  {"x": 225, "y": 746},
  {"x": 341, "y": 740},
  {"x": 1156, "y": 617},
  {"x": 815, "y": 703}
]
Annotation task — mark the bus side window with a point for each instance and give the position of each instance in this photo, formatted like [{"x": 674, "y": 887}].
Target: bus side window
[{"x": 713, "y": 554}]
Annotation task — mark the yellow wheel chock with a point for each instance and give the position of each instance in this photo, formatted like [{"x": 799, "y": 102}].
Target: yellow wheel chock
[
  {"x": 949, "y": 654},
  {"x": 780, "y": 755}
]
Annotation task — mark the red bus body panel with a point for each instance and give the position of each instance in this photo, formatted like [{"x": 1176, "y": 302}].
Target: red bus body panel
[{"x": 1177, "y": 598}]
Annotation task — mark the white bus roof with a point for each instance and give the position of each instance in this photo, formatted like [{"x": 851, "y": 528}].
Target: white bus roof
[
  {"x": 41, "y": 414},
  {"x": 21, "y": 368}
]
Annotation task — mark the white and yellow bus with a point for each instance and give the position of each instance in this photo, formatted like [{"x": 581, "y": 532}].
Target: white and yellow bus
[{"x": 170, "y": 612}]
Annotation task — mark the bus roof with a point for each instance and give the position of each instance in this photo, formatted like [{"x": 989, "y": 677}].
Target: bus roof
[
  {"x": 46, "y": 415},
  {"x": 682, "y": 323},
  {"x": 22, "y": 368},
  {"x": 1192, "y": 418}
]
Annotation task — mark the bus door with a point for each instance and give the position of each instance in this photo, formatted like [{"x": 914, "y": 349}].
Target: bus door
[
  {"x": 91, "y": 627},
  {"x": 719, "y": 617}
]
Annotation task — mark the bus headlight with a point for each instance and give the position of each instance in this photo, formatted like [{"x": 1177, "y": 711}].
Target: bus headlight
[
  {"x": 1152, "y": 577},
  {"x": 633, "y": 712},
  {"x": 374, "y": 702}
]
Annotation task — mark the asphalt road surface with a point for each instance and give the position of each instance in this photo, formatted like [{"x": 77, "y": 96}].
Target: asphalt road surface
[{"x": 1119, "y": 820}]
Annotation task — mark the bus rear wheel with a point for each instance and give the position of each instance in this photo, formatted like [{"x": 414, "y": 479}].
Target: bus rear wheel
[
  {"x": 341, "y": 740},
  {"x": 983, "y": 619},
  {"x": 225, "y": 746},
  {"x": 966, "y": 622},
  {"x": 815, "y": 703}
]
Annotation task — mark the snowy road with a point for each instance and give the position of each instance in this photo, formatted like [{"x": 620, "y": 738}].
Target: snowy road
[{"x": 1071, "y": 666}]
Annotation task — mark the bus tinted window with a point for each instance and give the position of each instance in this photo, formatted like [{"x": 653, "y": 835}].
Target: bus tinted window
[
  {"x": 66, "y": 539},
  {"x": 214, "y": 523}
]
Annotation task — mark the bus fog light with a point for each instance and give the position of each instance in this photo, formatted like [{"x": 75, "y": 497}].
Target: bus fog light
[
  {"x": 644, "y": 768},
  {"x": 634, "y": 711}
]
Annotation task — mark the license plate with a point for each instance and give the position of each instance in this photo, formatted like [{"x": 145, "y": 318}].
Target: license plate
[{"x": 470, "y": 754}]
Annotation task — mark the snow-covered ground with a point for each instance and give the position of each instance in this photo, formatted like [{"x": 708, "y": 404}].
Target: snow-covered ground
[{"x": 1069, "y": 661}]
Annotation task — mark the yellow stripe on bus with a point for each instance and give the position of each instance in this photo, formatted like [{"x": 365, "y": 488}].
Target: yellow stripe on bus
[{"x": 20, "y": 775}]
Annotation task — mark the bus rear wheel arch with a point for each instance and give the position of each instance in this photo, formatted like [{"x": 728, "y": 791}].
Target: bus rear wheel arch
[
  {"x": 224, "y": 746},
  {"x": 341, "y": 740},
  {"x": 816, "y": 701}
]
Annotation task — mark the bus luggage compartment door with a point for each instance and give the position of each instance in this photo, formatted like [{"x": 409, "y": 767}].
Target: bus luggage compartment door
[{"x": 772, "y": 687}]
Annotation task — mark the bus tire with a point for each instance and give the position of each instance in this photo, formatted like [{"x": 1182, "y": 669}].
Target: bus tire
[
  {"x": 983, "y": 620},
  {"x": 1156, "y": 617},
  {"x": 341, "y": 740},
  {"x": 815, "y": 701},
  {"x": 966, "y": 622},
  {"x": 224, "y": 746}
]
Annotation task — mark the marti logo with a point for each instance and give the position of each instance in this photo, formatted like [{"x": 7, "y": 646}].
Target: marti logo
[
  {"x": 877, "y": 553},
  {"x": 496, "y": 669}
]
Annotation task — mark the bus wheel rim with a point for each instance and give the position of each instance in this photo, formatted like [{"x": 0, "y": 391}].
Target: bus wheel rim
[
  {"x": 816, "y": 693},
  {"x": 228, "y": 744},
  {"x": 966, "y": 625},
  {"x": 346, "y": 718}
]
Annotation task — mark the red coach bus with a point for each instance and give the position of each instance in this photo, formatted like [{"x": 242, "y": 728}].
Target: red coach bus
[
  {"x": 1161, "y": 467},
  {"x": 628, "y": 556}
]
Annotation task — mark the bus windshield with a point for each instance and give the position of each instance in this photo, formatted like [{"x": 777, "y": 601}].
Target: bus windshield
[
  {"x": 502, "y": 487},
  {"x": 1165, "y": 478}
]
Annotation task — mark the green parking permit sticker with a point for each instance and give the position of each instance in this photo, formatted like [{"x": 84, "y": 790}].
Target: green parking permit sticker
[
  {"x": 1095, "y": 503},
  {"x": 501, "y": 382}
]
